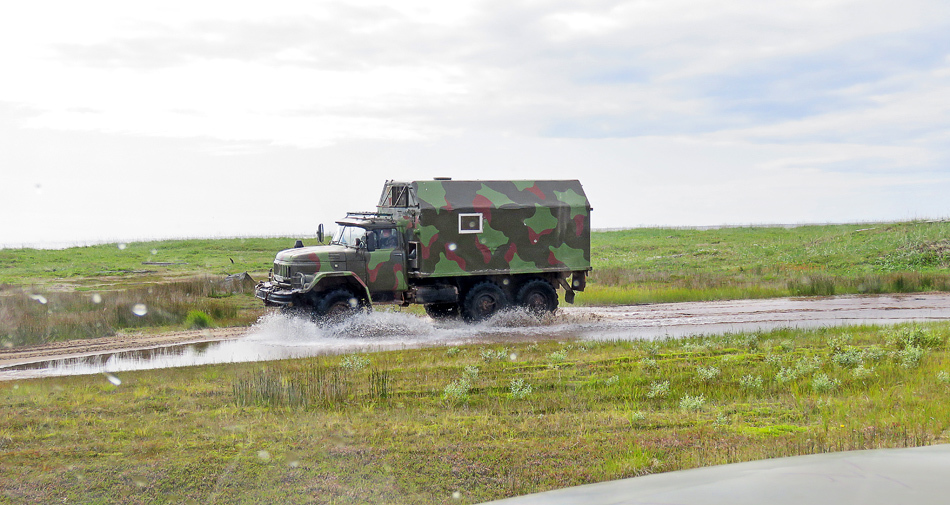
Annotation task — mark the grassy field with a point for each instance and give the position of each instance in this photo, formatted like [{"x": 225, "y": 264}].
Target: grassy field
[
  {"x": 468, "y": 424},
  {"x": 472, "y": 423},
  {"x": 48, "y": 295},
  {"x": 664, "y": 265}
]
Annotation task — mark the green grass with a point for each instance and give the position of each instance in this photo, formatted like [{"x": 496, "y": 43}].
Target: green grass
[
  {"x": 651, "y": 265},
  {"x": 646, "y": 265},
  {"x": 388, "y": 428}
]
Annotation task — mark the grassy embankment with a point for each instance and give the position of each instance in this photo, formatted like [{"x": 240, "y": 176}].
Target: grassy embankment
[
  {"x": 468, "y": 424},
  {"x": 175, "y": 278}
]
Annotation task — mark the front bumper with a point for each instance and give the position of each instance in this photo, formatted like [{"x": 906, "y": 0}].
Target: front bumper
[{"x": 274, "y": 295}]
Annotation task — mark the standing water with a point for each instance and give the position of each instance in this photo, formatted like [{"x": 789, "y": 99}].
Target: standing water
[{"x": 278, "y": 336}]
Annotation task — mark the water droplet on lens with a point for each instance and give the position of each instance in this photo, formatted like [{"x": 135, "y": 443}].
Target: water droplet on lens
[
  {"x": 139, "y": 480},
  {"x": 293, "y": 460},
  {"x": 113, "y": 379},
  {"x": 139, "y": 309},
  {"x": 452, "y": 246},
  {"x": 513, "y": 357},
  {"x": 154, "y": 252},
  {"x": 39, "y": 189},
  {"x": 40, "y": 298},
  {"x": 122, "y": 246},
  {"x": 263, "y": 455},
  {"x": 96, "y": 298},
  {"x": 456, "y": 495},
  {"x": 354, "y": 302}
]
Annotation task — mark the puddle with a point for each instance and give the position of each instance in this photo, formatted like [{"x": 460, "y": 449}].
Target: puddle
[{"x": 279, "y": 336}]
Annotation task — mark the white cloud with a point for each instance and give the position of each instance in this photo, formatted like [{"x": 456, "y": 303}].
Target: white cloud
[{"x": 701, "y": 108}]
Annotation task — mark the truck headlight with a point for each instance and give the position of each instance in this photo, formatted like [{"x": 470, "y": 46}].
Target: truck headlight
[{"x": 300, "y": 279}]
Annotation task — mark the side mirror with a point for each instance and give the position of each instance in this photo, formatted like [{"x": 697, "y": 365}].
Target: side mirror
[
  {"x": 370, "y": 241},
  {"x": 320, "y": 233}
]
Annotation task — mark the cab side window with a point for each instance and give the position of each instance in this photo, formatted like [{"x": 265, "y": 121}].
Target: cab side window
[{"x": 386, "y": 238}]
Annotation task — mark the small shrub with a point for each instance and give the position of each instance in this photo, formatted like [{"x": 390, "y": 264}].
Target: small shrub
[
  {"x": 943, "y": 376},
  {"x": 692, "y": 403},
  {"x": 613, "y": 379},
  {"x": 659, "y": 389},
  {"x": 807, "y": 366},
  {"x": 874, "y": 353},
  {"x": 649, "y": 364},
  {"x": 773, "y": 360},
  {"x": 912, "y": 336},
  {"x": 910, "y": 356},
  {"x": 637, "y": 416},
  {"x": 489, "y": 355},
  {"x": 786, "y": 375},
  {"x": 707, "y": 374},
  {"x": 557, "y": 356},
  {"x": 691, "y": 347},
  {"x": 452, "y": 351},
  {"x": 862, "y": 372},
  {"x": 848, "y": 358},
  {"x": 751, "y": 382},
  {"x": 457, "y": 391},
  {"x": 354, "y": 363},
  {"x": 470, "y": 373},
  {"x": 519, "y": 390},
  {"x": 821, "y": 383}
]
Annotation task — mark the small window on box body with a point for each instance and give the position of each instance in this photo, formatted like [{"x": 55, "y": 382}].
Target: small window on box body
[
  {"x": 470, "y": 223},
  {"x": 399, "y": 196}
]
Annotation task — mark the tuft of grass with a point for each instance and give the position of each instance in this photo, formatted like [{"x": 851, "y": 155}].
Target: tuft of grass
[{"x": 197, "y": 319}]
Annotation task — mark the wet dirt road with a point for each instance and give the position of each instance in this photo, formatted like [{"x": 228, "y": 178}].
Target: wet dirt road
[{"x": 280, "y": 337}]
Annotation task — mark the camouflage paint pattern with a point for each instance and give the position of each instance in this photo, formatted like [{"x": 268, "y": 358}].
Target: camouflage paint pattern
[
  {"x": 525, "y": 226},
  {"x": 460, "y": 227}
]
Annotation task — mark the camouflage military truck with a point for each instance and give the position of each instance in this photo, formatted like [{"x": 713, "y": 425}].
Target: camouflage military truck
[{"x": 459, "y": 248}]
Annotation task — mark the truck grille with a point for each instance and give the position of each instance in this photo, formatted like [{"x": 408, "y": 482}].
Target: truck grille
[{"x": 281, "y": 270}]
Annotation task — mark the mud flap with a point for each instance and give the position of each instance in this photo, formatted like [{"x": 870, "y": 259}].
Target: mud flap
[{"x": 568, "y": 292}]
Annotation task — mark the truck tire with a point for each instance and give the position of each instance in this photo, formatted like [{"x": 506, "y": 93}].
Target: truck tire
[
  {"x": 338, "y": 304},
  {"x": 442, "y": 310},
  {"x": 537, "y": 296},
  {"x": 484, "y": 300}
]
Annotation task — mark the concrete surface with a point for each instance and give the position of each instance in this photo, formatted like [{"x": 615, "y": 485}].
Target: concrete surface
[{"x": 918, "y": 476}]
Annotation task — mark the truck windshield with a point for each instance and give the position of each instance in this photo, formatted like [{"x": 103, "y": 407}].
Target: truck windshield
[{"x": 352, "y": 236}]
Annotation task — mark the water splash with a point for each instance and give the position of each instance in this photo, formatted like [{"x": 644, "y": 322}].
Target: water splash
[{"x": 139, "y": 309}]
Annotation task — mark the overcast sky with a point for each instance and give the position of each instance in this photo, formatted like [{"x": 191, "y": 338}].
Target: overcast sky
[{"x": 131, "y": 120}]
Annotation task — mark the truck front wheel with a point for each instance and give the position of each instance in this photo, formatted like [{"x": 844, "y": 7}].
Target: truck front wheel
[
  {"x": 338, "y": 304},
  {"x": 483, "y": 300},
  {"x": 537, "y": 296}
]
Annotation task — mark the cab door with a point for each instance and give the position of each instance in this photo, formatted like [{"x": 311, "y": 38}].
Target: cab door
[{"x": 386, "y": 265}]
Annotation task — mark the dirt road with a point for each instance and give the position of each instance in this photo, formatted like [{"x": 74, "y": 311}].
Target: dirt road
[
  {"x": 282, "y": 337},
  {"x": 86, "y": 347}
]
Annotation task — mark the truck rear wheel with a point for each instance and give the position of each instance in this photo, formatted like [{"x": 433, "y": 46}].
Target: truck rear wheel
[
  {"x": 338, "y": 304},
  {"x": 537, "y": 296},
  {"x": 483, "y": 300},
  {"x": 442, "y": 310}
]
